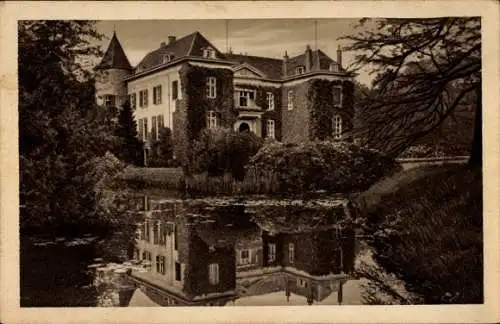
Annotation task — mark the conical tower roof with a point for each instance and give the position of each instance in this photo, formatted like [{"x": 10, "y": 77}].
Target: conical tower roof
[{"x": 115, "y": 57}]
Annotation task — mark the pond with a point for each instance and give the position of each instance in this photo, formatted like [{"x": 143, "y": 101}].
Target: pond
[{"x": 203, "y": 252}]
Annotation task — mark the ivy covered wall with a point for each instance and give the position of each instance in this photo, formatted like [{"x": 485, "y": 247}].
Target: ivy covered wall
[
  {"x": 322, "y": 110},
  {"x": 261, "y": 101},
  {"x": 191, "y": 110}
]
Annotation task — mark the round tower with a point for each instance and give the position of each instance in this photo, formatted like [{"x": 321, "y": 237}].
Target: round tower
[{"x": 110, "y": 88}]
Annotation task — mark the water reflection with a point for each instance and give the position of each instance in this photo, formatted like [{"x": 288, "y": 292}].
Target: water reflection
[{"x": 228, "y": 253}]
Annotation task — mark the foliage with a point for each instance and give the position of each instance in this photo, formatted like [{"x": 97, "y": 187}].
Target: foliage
[
  {"x": 336, "y": 167},
  {"x": 60, "y": 128},
  {"x": 194, "y": 79},
  {"x": 221, "y": 150},
  {"x": 429, "y": 235},
  {"x": 162, "y": 150},
  {"x": 425, "y": 69},
  {"x": 130, "y": 148},
  {"x": 322, "y": 110}
]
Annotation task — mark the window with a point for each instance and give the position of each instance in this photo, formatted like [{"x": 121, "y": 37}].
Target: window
[
  {"x": 175, "y": 90},
  {"x": 211, "y": 89},
  {"x": 211, "y": 119},
  {"x": 270, "y": 129},
  {"x": 146, "y": 230},
  {"x": 160, "y": 264},
  {"x": 246, "y": 97},
  {"x": 141, "y": 129},
  {"x": 270, "y": 101},
  {"x": 290, "y": 99},
  {"x": 337, "y": 127},
  {"x": 208, "y": 53},
  {"x": 157, "y": 95},
  {"x": 176, "y": 237},
  {"x": 156, "y": 233},
  {"x": 177, "y": 271},
  {"x": 291, "y": 252},
  {"x": 159, "y": 121},
  {"x": 244, "y": 257},
  {"x": 154, "y": 132},
  {"x": 143, "y": 98},
  {"x": 299, "y": 70},
  {"x": 271, "y": 253},
  {"x": 132, "y": 99},
  {"x": 167, "y": 58},
  {"x": 145, "y": 129},
  {"x": 337, "y": 95},
  {"x": 213, "y": 273},
  {"x": 109, "y": 101},
  {"x": 301, "y": 283}
]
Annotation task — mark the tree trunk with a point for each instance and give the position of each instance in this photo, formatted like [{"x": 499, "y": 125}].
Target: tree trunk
[{"x": 476, "y": 156}]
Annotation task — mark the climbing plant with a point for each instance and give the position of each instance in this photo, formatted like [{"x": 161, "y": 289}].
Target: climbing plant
[{"x": 322, "y": 110}]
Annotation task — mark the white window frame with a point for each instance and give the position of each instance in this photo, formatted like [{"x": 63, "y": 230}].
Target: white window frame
[
  {"x": 271, "y": 252},
  {"x": 246, "y": 94},
  {"x": 301, "y": 283},
  {"x": 339, "y": 87},
  {"x": 271, "y": 129},
  {"x": 211, "y": 119},
  {"x": 143, "y": 98},
  {"x": 337, "y": 127},
  {"x": 109, "y": 101},
  {"x": 145, "y": 129},
  {"x": 133, "y": 100},
  {"x": 175, "y": 85},
  {"x": 209, "y": 52},
  {"x": 211, "y": 90},
  {"x": 290, "y": 99},
  {"x": 291, "y": 252},
  {"x": 168, "y": 58},
  {"x": 300, "y": 70},
  {"x": 270, "y": 101},
  {"x": 213, "y": 273},
  {"x": 242, "y": 260},
  {"x": 157, "y": 95}
]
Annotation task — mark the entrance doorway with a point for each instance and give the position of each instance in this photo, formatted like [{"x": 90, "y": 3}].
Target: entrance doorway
[{"x": 244, "y": 127}]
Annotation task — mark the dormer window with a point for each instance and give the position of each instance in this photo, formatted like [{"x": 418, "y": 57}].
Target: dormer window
[
  {"x": 209, "y": 53},
  {"x": 167, "y": 58},
  {"x": 299, "y": 70}
]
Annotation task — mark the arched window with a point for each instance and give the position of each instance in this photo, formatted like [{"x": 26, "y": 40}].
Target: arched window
[{"x": 337, "y": 127}]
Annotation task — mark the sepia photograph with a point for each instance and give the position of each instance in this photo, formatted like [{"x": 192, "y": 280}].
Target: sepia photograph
[{"x": 251, "y": 162}]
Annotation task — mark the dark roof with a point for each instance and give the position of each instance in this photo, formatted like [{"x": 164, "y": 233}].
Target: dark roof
[
  {"x": 300, "y": 60},
  {"x": 190, "y": 45},
  {"x": 270, "y": 66},
  {"x": 115, "y": 57}
]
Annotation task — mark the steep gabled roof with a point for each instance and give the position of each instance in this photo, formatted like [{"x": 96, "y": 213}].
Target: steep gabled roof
[
  {"x": 115, "y": 57},
  {"x": 190, "y": 45},
  {"x": 270, "y": 66}
]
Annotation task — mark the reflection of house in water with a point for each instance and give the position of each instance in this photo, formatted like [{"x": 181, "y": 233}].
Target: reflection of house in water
[{"x": 214, "y": 255}]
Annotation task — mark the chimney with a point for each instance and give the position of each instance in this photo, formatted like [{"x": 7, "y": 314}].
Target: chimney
[
  {"x": 285, "y": 61},
  {"x": 308, "y": 58},
  {"x": 339, "y": 57},
  {"x": 163, "y": 44},
  {"x": 171, "y": 39}
]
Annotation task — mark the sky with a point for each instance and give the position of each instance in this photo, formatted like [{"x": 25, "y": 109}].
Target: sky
[{"x": 260, "y": 37}]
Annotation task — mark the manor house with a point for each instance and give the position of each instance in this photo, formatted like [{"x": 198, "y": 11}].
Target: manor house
[{"x": 187, "y": 84}]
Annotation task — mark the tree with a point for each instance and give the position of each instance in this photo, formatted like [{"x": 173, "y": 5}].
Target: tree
[
  {"x": 425, "y": 69},
  {"x": 60, "y": 127},
  {"x": 130, "y": 148},
  {"x": 162, "y": 150}
]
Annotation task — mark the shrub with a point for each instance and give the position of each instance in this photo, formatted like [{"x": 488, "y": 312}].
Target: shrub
[
  {"x": 337, "y": 167},
  {"x": 429, "y": 235},
  {"x": 162, "y": 150},
  {"x": 219, "y": 151}
]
